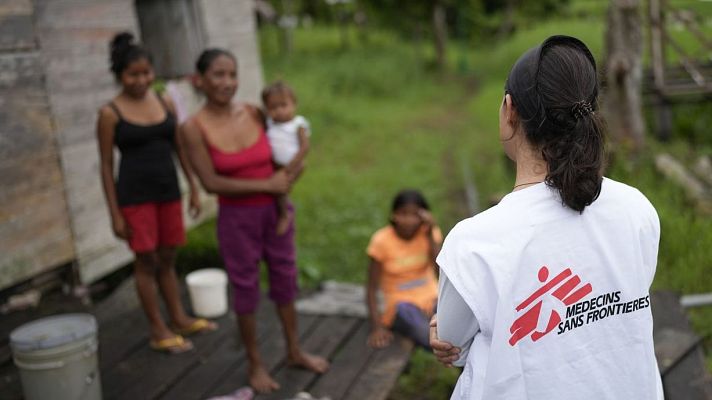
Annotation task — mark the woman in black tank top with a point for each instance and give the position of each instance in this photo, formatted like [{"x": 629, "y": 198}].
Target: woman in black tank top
[{"x": 145, "y": 200}]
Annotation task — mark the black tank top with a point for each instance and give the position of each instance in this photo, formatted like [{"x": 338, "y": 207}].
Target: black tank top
[{"x": 146, "y": 170}]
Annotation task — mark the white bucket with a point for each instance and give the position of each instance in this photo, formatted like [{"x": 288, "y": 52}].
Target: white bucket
[
  {"x": 208, "y": 292},
  {"x": 57, "y": 358}
]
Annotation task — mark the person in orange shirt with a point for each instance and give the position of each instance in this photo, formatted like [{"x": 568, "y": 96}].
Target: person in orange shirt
[{"x": 402, "y": 265}]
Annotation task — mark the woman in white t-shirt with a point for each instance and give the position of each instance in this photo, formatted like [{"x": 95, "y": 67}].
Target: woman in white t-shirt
[{"x": 545, "y": 296}]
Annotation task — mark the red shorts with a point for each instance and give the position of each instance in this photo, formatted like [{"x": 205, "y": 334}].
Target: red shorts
[{"x": 154, "y": 225}]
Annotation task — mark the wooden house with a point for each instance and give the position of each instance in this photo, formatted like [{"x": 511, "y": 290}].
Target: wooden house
[{"x": 54, "y": 75}]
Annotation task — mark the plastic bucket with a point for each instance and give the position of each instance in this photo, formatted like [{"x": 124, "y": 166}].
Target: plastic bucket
[
  {"x": 208, "y": 292},
  {"x": 57, "y": 358}
]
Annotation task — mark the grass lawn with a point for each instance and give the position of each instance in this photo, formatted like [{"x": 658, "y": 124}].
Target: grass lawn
[{"x": 382, "y": 121}]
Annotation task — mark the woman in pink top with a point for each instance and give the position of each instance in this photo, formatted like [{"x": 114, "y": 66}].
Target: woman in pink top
[{"x": 228, "y": 148}]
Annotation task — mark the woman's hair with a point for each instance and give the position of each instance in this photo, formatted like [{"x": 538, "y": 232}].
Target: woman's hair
[
  {"x": 409, "y": 196},
  {"x": 278, "y": 87},
  {"x": 207, "y": 57},
  {"x": 554, "y": 88},
  {"x": 124, "y": 51}
]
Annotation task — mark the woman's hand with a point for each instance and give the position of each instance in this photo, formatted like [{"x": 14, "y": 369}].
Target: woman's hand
[
  {"x": 194, "y": 206},
  {"x": 427, "y": 219},
  {"x": 445, "y": 352},
  {"x": 294, "y": 169},
  {"x": 279, "y": 182},
  {"x": 380, "y": 337},
  {"x": 120, "y": 227}
]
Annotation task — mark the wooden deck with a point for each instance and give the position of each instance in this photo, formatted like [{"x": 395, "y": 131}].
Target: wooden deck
[
  {"x": 130, "y": 370},
  {"x": 679, "y": 352}
]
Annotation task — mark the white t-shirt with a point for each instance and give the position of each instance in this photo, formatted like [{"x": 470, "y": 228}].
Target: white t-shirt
[
  {"x": 560, "y": 299},
  {"x": 284, "y": 138}
]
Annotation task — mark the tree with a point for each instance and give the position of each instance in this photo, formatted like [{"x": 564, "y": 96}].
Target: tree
[
  {"x": 624, "y": 71},
  {"x": 440, "y": 33}
]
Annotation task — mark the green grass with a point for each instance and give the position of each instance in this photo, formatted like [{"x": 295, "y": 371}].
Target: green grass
[
  {"x": 383, "y": 121},
  {"x": 380, "y": 123}
]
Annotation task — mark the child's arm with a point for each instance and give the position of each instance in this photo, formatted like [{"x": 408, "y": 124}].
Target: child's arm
[
  {"x": 298, "y": 160},
  {"x": 434, "y": 245},
  {"x": 380, "y": 336}
]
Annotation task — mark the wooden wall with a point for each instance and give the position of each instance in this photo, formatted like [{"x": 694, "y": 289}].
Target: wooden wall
[
  {"x": 53, "y": 78},
  {"x": 74, "y": 36},
  {"x": 35, "y": 234},
  {"x": 231, "y": 24}
]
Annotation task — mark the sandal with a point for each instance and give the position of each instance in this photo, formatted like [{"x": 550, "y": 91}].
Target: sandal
[
  {"x": 173, "y": 345},
  {"x": 199, "y": 325}
]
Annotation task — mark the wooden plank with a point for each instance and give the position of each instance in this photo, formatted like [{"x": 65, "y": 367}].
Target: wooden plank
[
  {"x": 232, "y": 25},
  {"x": 33, "y": 237},
  {"x": 680, "y": 357},
  {"x": 74, "y": 35},
  {"x": 323, "y": 341},
  {"x": 147, "y": 373},
  {"x": 657, "y": 47},
  {"x": 382, "y": 371},
  {"x": 16, "y": 32},
  {"x": 273, "y": 355},
  {"x": 21, "y": 179},
  {"x": 227, "y": 357},
  {"x": 118, "y": 314},
  {"x": 122, "y": 350},
  {"x": 10, "y": 385},
  {"x": 174, "y": 50},
  {"x": 346, "y": 366}
]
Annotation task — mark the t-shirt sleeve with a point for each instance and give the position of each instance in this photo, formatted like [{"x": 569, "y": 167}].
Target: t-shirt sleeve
[
  {"x": 376, "y": 248},
  {"x": 303, "y": 122}
]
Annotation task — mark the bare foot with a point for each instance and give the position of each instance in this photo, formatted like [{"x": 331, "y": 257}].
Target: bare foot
[
  {"x": 261, "y": 381},
  {"x": 283, "y": 223},
  {"x": 309, "y": 361}
]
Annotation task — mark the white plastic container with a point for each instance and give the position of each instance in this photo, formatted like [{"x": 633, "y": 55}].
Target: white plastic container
[
  {"x": 57, "y": 358},
  {"x": 208, "y": 292}
]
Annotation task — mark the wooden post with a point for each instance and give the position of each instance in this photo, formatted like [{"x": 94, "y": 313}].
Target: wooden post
[
  {"x": 663, "y": 111},
  {"x": 287, "y": 23},
  {"x": 440, "y": 32},
  {"x": 624, "y": 70}
]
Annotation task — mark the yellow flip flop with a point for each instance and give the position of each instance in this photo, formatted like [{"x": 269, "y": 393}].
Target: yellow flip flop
[
  {"x": 173, "y": 345},
  {"x": 200, "y": 325}
]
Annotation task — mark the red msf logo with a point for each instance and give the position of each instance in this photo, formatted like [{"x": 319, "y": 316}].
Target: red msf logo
[{"x": 527, "y": 323}]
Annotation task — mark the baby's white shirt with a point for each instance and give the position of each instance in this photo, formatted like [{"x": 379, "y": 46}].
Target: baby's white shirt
[{"x": 284, "y": 138}]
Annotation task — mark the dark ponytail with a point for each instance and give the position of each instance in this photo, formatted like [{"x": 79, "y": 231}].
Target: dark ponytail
[
  {"x": 554, "y": 88},
  {"x": 124, "y": 51},
  {"x": 207, "y": 57}
]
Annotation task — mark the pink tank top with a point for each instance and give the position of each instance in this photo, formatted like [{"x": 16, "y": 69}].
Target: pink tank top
[{"x": 253, "y": 162}]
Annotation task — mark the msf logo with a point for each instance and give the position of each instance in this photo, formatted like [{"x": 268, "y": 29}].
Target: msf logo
[{"x": 527, "y": 323}]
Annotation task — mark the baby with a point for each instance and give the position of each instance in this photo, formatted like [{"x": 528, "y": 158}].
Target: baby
[{"x": 288, "y": 135}]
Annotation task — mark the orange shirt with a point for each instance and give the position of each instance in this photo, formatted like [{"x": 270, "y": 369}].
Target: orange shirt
[{"x": 407, "y": 274}]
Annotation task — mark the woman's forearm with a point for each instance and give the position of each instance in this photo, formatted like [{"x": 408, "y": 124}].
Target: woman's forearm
[
  {"x": 225, "y": 186},
  {"x": 108, "y": 184}
]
